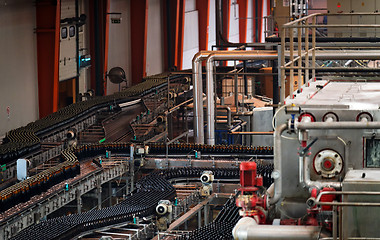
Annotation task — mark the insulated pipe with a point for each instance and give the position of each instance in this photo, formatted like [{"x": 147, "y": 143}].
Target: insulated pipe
[
  {"x": 337, "y": 125},
  {"x": 276, "y": 174},
  {"x": 198, "y": 95},
  {"x": 247, "y": 228},
  {"x": 232, "y": 55}
]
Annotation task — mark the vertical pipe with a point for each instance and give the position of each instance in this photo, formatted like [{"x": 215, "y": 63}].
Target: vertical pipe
[
  {"x": 299, "y": 48},
  {"x": 210, "y": 101},
  {"x": 275, "y": 82},
  {"x": 313, "y": 47},
  {"x": 236, "y": 89},
  {"x": 245, "y": 78},
  {"x": 335, "y": 222},
  {"x": 291, "y": 56},
  {"x": 282, "y": 75},
  {"x": 132, "y": 166},
  {"x": 307, "y": 52}
]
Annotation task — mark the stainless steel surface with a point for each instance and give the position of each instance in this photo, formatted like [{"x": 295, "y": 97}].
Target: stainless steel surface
[
  {"x": 277, "y": 172},
  {"x": 361, "y": 220},
  {"x": 247, "y": 229}
]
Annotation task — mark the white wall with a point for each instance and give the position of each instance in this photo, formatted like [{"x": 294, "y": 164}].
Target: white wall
[
  {"x": 191, "y": 40},
  {"x": 250, "y": 22},
  {"x": 234, "y": 22},
  {"x": 155, "y": 47},
  {"x": 119, "y": 45},
  {"x": 18, "y": 64},
  {"x": 212, "y": 26}
]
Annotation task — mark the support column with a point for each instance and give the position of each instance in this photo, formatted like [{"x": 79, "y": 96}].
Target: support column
[
  {"x": 48, "y": 14},
  {"x": 203, "y": 7},
  {"x": 99, "y": 195},
  {"x": 243, "y": 14},
  {"x": 79, "y": 201},
  {"x": 206, "y": 213},
  {"x": 110, "y": 193},
  {"x": 199, "y": 218},
  {"x": 139, "y": 26}
]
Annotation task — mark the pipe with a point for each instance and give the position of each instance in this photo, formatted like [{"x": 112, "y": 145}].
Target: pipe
[
  {"x": 247, "y": 228},
  {"x": 247, "y": 55},
  {"x": 198, "y": 95},
  {"x": 337, "y": 125},
  {"x": 251, "y": 133},
  {"x": 276, "y": 174},
  {"x": 229, "y": 115}
]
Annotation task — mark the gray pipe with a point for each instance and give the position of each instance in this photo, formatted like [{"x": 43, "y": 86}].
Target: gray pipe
[
  {"x": 236, "y": 55},
  {"x": 229, "y": 115},
  {"x": 337, "y": 125},
  {"x": 277, "y": 164},
  {"x": 197, "y": 95},
  {"x": 247, "y": 228}
]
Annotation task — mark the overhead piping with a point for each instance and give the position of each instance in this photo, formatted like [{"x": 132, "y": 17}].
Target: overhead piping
[{"x": 229, "y": 55}]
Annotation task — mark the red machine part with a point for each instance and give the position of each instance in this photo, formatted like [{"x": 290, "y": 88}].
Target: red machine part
[
  {"x": 306, "y": 114},
  {"x": 251, "y": 203},
  {"x": 248, "y": 175},
  {"x": 311, "y": 218},
  {"x": 327, "y": 198}
]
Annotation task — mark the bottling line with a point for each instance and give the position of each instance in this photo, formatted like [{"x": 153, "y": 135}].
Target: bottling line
[{"x": 201, "y": 155}]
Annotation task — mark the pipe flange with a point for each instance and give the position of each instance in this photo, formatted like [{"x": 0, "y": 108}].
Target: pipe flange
[{"x": 328, "y": 163}]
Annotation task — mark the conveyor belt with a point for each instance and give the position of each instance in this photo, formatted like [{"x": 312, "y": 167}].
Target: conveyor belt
[
  {"x": 141, "y": 202},
  {"x": 26, "y": 139},
  {"x": 220, "y": 228}
]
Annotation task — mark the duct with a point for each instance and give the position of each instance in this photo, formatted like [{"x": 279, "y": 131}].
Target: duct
[
  {"x": 246, "y": 55},
  {"x": 247, "y": 228},
  {"x": 277, "y": 164}
]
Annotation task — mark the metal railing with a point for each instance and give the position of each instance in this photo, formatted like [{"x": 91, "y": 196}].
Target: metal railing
[{"x": 297, "y": 55}]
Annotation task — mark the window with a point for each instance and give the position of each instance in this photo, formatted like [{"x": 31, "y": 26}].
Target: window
[
  {"x": 72, "y": 31},
  {"x": 64, "y": 32}
]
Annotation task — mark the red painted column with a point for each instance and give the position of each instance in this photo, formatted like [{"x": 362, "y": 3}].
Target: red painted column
[
  {"x": 243, "y": 14},
  {"x": 226, "y": 19},
  {"x": 181, "y": 32},
  {"x": 48, "y": 35},
  {"x": 139, "y": 25},
  {"x": 203, "y": 7},
  {"x": 260, "y": 18}
]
